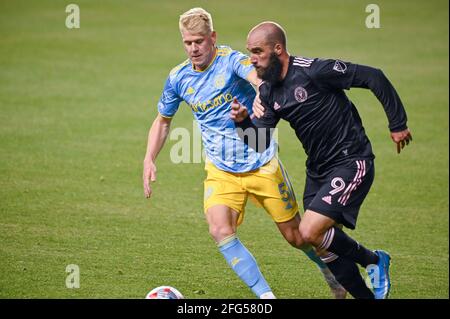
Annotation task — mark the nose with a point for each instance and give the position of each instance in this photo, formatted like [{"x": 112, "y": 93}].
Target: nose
[
  {"x": 194, "y": 47},
  {"x": 253, "y": 59}
]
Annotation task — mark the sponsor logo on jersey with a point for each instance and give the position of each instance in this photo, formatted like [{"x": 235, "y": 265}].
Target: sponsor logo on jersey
[
  {"x": 202, "y": 106},
  {"x": 300, "y": 94}
]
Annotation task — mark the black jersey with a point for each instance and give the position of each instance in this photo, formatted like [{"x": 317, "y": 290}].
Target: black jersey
[{"x": 312, "y": 99}]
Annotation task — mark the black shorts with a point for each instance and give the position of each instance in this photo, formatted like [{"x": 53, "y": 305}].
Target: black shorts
[{"x": 340, "y": 194}]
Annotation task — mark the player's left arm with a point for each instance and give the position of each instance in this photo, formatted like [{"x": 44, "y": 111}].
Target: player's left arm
[
  {"x": 375, "y": 80},
  {"x": 336, "y": 74}
]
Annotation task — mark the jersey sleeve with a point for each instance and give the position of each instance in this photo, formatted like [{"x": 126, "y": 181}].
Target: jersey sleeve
[
  {"x": 169, "y": 101},
  {"x": 332, "y": 74},
  {"x": 241, "y": 64},
  {"x": 270, "y": 119},
  {"x": 374, "y": 79},
  {"x": 336, "y": 74}
]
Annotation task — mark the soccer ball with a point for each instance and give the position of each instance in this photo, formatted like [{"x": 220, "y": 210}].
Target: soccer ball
[{"x": 164, "y": 292}]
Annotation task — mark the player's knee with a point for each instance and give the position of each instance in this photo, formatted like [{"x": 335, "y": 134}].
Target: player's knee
[
  {"x": 294, "y": 239},
  {"x": 308, "y": 234},
  {"x": 219, "y": 232},
  {"x": 297, "y": 243}
]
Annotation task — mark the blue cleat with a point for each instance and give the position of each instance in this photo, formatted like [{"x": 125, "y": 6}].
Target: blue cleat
[{"x": 379, "y": 275}]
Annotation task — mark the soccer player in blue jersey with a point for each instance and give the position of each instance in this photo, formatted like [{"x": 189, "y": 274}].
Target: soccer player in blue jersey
[{"x": 208, "y": 81}]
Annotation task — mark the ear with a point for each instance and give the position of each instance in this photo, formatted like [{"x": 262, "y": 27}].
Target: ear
[
  {"x": 278, "y": 49},
  {"x": 214, "y": 37}
]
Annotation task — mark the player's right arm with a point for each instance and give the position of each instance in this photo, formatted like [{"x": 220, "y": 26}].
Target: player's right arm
[
  {"x": 157, "y": 136},
  {"x": 167, "y": 107},
  {"x": 258, "y": 109}
]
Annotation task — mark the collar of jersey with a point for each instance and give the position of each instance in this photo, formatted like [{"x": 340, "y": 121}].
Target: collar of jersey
[
  {"x": 291, "y": 59},
  {"x": 212, "y": 61}
]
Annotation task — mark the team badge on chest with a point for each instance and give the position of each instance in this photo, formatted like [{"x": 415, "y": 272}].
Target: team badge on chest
[
  {"x": 219, "y": 81},
  {"x": 300, "y": 94}
]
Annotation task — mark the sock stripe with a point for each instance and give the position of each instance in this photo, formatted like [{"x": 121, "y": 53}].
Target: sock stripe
[
  {"x": 329, "y": 257},
  {"x": 226, "y": 240},
  {"x": 328, "y": 238}
]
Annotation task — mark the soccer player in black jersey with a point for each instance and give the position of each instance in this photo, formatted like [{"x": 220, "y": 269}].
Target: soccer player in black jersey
[{"x": 309, "y": 94}]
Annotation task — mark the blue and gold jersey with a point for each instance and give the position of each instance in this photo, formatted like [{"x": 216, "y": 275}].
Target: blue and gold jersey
[{"x": 209, "y": 94}]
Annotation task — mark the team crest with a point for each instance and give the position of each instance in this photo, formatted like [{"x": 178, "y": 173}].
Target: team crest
[
  {"x": 219, "y": 81},
  {"x": 300, "y": 94}
]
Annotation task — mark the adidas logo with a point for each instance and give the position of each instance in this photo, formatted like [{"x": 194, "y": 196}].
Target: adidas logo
[
  {"x": 276, "y": 106},
  {"x": 327, "y": 199},
  {"x": 235, "y": 261}
]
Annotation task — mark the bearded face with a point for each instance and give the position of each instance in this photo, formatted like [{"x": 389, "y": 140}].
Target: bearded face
[{"x": 272, "y": 72}]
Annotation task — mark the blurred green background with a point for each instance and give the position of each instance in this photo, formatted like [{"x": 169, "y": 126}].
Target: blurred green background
[{"x": 75, "y": 109}]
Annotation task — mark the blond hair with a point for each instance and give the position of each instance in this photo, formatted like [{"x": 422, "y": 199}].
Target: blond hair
[{"x": 196, "y": 21}]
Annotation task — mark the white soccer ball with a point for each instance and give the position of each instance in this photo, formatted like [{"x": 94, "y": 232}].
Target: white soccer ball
[{"x": 164, "y": 292}]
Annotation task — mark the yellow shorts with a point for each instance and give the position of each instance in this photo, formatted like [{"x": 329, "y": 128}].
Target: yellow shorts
[{"x": 269, "y": 186}]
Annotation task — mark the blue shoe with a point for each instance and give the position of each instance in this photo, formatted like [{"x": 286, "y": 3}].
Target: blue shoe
[{"x": 379, "y": 275}]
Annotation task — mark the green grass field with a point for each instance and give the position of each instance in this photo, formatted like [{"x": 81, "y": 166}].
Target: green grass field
[{"x": 75, "y": 109}]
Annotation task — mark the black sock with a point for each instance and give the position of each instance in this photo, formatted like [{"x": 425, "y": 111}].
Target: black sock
[
  {"x": 338, "y": 242},
  {"x": 347, "y": 274}
]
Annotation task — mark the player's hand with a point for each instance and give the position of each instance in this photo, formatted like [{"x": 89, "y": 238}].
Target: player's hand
[
  {"x": 149, "y": 175},
  {"x": 238, "y": 111},
  {"x": 401, "y": 139},
  {"x": 258, "y": 108}
]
